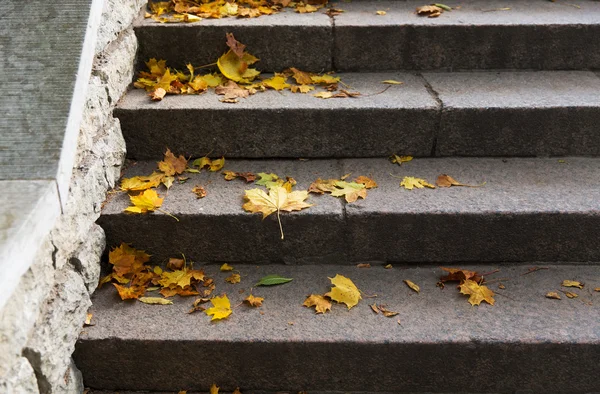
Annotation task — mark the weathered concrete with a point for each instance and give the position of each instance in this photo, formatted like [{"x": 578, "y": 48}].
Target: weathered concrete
[
  {"x": 529, "y": 210},
  {"x": 216, "y": 228},
  {"x": 525, "y": 341},
  {"x": 531, "y": 35},
  {"x": 282, "y": 40},
  {"x": 284, "y": 124},
  {"x": 518, "y": 113}
]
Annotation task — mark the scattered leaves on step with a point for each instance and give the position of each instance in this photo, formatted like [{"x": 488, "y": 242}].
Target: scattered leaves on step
[
  {"x": 410, "y": 183},
  {"x": 321, "y": 304},
  {"x": 147, "y": 201},
  {"x": 476, "y": 292},
  {"x": 553, "y": 295},
  {"x": 226, "y": 267},
  {"x": 363, "y": 265},
  {"x": 254, "y": 301},
  {"x": 155, "y": 300},
  {"x": 344, "y": 291},
  {"x": 233, "y": 278},
  {"x": 279, "y": 199},
  {"x": 393, "y": 82},
  {"x": 572, "y": 283},
  {"x": 447, "y": 181},
  {"x": 247, "y": 176},
  {"x": 271, "y": 280},
  {"x": 400, "y": 159},
  {"x": 431, "y": 11},
  {"x": 412, "y": 285},
  {"x": 199, "y": 191},
  {"x": 351, "y": 191},
  {"x": 127, "y": 260},
  {"x": 171, "y": 164},
  {"x": 221, "y": 309}
]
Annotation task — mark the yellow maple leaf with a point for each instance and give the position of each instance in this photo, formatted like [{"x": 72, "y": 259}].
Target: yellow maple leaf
[
  {"x": 278, "y": 199},
  {"x": 344, "y": 291},
  {"x": 233, "y": 278},
  {"x": 431, "y": 11},
  {"x": 139, "y": 183},
  {"x": 199, "y": 191},
  {"x": 304, "y": 9},
  {"x": 572, "y": 283},
  {"x": 172, "y": 165},
  {"x": 127, "y": 260},
  {"x": 214, "y": 389},
  {"x": 236, "y": 69},
  {"x": 181, "y": 278},
  {"x": 301, "y": 77},
  {"x": 226, "y": 267},
  {"x": 476, "y": 292},
  {"x": 254, "y": 301},
  {"x": 351, "y": 191},
  {"x": 147, "y": 201},
  {"x": 410, "y": 183},
  {"x": 157, "y": 67},
  {"x": 212, "y": 165},
  {"x": 221, "y": 309},
  {"x": 301, "y": 88},
  {"x": 320, "y": 303},
  {"x": 324, "y": 79},
  {"x": 278, "y": 82}
]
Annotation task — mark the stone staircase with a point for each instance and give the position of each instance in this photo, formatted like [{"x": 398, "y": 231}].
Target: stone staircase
[{"x": 509, "y": 98}]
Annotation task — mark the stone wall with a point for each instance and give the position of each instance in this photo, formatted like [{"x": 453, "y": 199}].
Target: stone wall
[{"x": 42, "y": 320}]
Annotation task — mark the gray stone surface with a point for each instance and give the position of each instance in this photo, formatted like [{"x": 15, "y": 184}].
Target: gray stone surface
[
  {"x": 117, "y": 16},
  {"x": 524, "y": 341},
  {"x": 531, "y": 35},
  {"x": 21, "y": 379},
  {"x": 285, "y": 124},
  {"x": 529, "y": 210},
  {"x": 216, "y": 228},
  {"x": 282, "y": 40},
  {"x": 518, "y": 113}
]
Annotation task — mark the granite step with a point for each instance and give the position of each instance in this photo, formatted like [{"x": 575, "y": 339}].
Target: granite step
[
  {"x": 525, "y": 113},
  {"x": 530, "y": 209},
  {"x": 481, "y": 34},
  {"x": 437, "y": 343}
]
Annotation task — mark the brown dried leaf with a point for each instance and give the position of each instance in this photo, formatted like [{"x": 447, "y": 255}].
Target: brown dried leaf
[
  {"x": 320, "y": 303},
  {"x": 412, "y": 285},
  {"x": 235, "y": 46},
  {"x": 431, "y": 11},
  {"x": 254, "y": 301},
  {"x": 447, "y": 181},
  {"x": 199, "y": 191},
  {"x": 553, "y": 295}
]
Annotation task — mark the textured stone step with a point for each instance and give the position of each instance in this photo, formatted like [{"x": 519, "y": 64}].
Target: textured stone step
[
  {"x": 529, "y": 210},
  {"x": 531, "y": 35},
  {"x": 468, "y": 114},
  {"x": 442, "y": 344}
]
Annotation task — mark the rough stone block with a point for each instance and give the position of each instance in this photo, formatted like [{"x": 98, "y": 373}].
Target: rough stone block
[
  {"x": 529, "y": 210},
  {"x": 282, "y": 40},
  {"x": 518, "y": 113},
  {"x": 442, "y": 344},
  {"x": 532, "y": 35},
  {"x": 117, "y": 16},
  {"x": 283, "y": 124},
  {"x": 216, "y": 228}
]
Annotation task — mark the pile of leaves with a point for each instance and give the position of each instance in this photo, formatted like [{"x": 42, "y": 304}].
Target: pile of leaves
[
  {"x": 176, "y": 11},
  {"x": 234, "y": 79}
]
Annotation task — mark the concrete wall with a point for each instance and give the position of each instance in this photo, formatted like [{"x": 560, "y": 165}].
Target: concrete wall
[{"x": 42, "y": 319}]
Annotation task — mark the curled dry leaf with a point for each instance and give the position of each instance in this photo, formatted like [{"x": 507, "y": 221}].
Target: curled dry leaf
[
  {"x": 199, "y": 191},
  {"x": 477, "y": 293},
  {"x": 175, "y": 264},
  {"x": 157, "y": 94},
  {"x": 392, "y": 82},
  {"x": 386, "y": 312},
  {"x": 412, "y": 285},
  {"x": 320, "y": 303},
  {"x": 212, "y": 165},
  {"x": 333, "y": 12},
  {"x": 381, "y": 12},
  {"x": 388, "y": 266},
  {"x": 88, "y": 320},
  {"x": 410, "y": 183},
  {"x": 459, "y": 275},
  {"x": 447, "y": 181},
  {"x": 236, "y": 68},
  {"x": 155, "y": 300},
  {"x": 247, "y": 176},
  {"x": 233, "y": 278},
  {"x": 235, "y": 46},
  {"x": 570, "y": 294},
  {"x": 400, "y": 159},
  {"x": 226, "y": 267},
  {"x": 553, "y": 295},
  {"x": 431, "y": 11},
  {"x": 572, "y": 283},
  {"x": 221, "y": 309},
  {"x": 344, "y": 291},
  {"x": 254, "y": 301},
  {"x": 363, "y": 265},
  {"x": 172, "y": 165},
  {"x": 197, "y": 305}
]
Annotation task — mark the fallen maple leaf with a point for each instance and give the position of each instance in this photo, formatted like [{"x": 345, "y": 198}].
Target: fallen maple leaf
[
  {"x": 247, "y": 176},
  {"x": 301, "y": 77},
  {"x": 221, "y": 309},
  {"x": 278, "y": 82},
  {"x": 572, "y": 283},
  {"x": 236, "y": 46},
  {"x": 344, "y": 291},
  {"x": 127, "y": 260},
  {"x": 232, "y": 91},
  {"x": 254, "y": 301},
  {"x": 146, "y": 201},
  {"x": 278, "y": 199},
  {"x": 320, "y": 303},
  {"x": 172, "y": 165},
  {"x": 214, "y": 389},
  {"x": 553, "y": 294},
  {"x": 367, "y": 182},
  {"x": 410, "y": 183},
  {"x": 199, "y": 191},
  {"x": 140, "y": 183},
  {"x": 226, "y": 267},
  {"x": 233, "y": 278},
  {"x": 236, "y": 68},
  {"x": 157, "y": 94},
  {"x": 431, "y": 11},
  {"x": 477, "y": 293},
  {"x": 155, "y": 300},
  {"x": 351, "y": 191},
  {"x": 456, "y": 274},
  {"x": 400, "y": 159},
  {"x": 412, "y": 285},
  {"x": 305, "y": 8},
  {"x": 447, "y": 181},
  {"x": 212, "y": 165},
  {"x": 131, "y": 292}
]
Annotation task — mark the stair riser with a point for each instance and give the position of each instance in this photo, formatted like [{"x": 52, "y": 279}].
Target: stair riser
[
  {"x": 327, "y": 238},
  {"x": 371, "y": 367},
  {"x": 351, "y": 132}
]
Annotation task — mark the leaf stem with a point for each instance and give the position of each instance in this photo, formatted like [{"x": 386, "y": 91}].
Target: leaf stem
[
  {"x": 279, "y": 220},
  {"x": 167, "y": 213}
]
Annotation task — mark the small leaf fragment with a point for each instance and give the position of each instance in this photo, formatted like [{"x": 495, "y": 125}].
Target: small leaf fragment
[
  {"x": 386, "y": 312},
  {"x": 553, "y": 295},
  {"x": 363, "y": 265},
  {"x": 400, "y": 159},
  {"x": 155, "y": 300},
  {"x": 320, "y": 303},
  {"x": 388, "y": 266},
  {"x": 221, "y": 309},
  {"x": 410, "y": 183},
  {"x": 254, "y": 301},
  {"x": 443, "y": 6},
  {"x": 572, "y": 283},
  {"x": 380, "y": 12},
  {"x": 392, "y": 82},
  {"x": 271, "y": 280},
  {"x": 88, "y": 320},
  {"x": 367, "y": 182},
  {"x": 412, "y": 285},
  {"x": 226, "y": 267},
  {"x": 199, "y": 191},
  {"x": 570, "y": 294},
  {"x": 431, "y": 11},
  {"x": 233, "y": 278}
]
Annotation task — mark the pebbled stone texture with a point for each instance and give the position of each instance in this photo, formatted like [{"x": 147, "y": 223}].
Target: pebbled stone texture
[
  {"x": 518, "y": 113},
  {"x": 216, "y": 228},
  {"x": 442, "y": 344},
  {"x": 529, "y": 210},
  {"x": 283, "y": 124},
  {"x": 532, "y": 35},
  {"x": 282, "y": 40}
]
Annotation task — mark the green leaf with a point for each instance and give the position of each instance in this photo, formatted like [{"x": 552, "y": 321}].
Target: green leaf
[
  {"x": 271, "y": 280},
  {"x": 443, "y": 6},
  {"x": 268, "y": 180}
]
